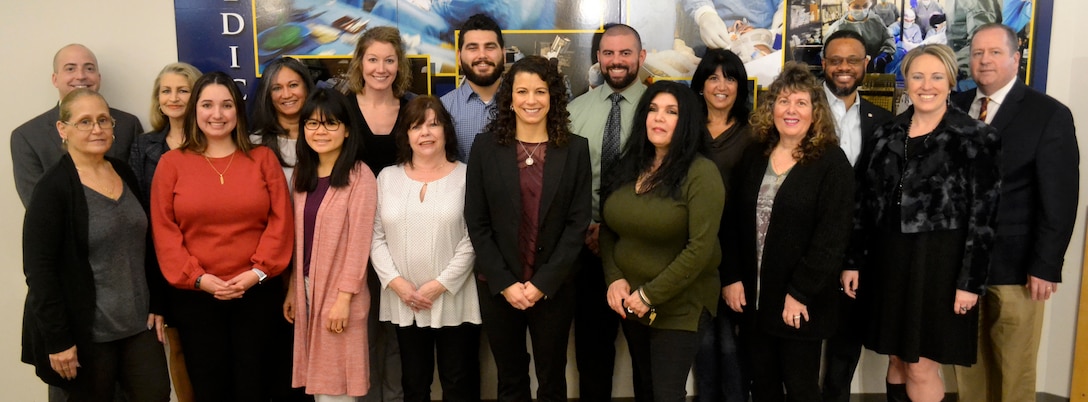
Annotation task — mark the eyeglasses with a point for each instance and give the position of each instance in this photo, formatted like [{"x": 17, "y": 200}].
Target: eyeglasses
[
  {"x": 837, "y": 61},
  {"x": 105, "y": 123},
  {"x": 331, "y": 125}
]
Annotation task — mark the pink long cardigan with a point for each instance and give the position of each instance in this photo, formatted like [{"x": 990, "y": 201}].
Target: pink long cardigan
[{"x": 325, "y": 362}]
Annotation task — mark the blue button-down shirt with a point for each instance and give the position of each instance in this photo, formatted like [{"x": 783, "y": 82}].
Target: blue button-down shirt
[{"x": 470, "y": 116}]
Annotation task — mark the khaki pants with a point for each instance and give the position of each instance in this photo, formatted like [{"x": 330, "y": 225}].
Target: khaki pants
[{"x": 1010, "y": 326}]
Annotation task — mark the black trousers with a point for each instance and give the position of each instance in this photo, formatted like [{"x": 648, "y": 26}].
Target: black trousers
[
  {"x": 548, "y": 323},
  {"x": 721, "y": 367},
  {"x": 385, "y": 370},
  {"x": 661, "y": 359},
  {"x": 137, "y": 363},
  {"x": 843, "y": 351},
  {"x": 778, "y": 362},
  {"x": 228, "y": 344},
  {"x": 458, "y": 350},
  {"x": 595, "y": 329}
]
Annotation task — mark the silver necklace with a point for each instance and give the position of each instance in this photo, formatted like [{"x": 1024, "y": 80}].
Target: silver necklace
[{"x": 529, "y": 159}]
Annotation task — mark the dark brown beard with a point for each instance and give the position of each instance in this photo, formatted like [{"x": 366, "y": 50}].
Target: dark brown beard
[{"x": 482, "y": 80}]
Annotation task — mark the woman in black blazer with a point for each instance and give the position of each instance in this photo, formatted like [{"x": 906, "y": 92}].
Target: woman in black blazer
[
  {"x": 92, "y": 314},
  {"x": 526, "y": 206},
  {"x": 781, "y": 268}
]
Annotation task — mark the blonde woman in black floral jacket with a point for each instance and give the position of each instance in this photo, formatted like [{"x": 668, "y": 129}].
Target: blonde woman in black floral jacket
[{"x": 925, "y": 227}]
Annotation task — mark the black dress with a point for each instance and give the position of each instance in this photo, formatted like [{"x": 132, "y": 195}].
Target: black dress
[
  {"x": 910, "y": 291},
  {"x": 379, "y": 150}
]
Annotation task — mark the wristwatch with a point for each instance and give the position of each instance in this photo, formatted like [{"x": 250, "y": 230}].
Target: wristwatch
[{"x": 260, "y": 275}]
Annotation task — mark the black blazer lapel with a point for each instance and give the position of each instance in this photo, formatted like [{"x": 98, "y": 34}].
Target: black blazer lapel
[
  {"x": 554, "y": 165},
  {"x": 868, "y": 133},
  {"x": 868, "y": 122},
  {"x": 963, "y": 100},
  {"x": 507, "y": 165},
  {"x": 1009, "y": 108}
]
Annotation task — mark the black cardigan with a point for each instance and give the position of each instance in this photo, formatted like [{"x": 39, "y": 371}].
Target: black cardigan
[
  {"x": 805, "y": 243},
  {"x": 60, "y": 300}
]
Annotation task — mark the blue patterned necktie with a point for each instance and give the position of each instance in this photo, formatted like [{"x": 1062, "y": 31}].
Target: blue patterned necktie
[{"x": 610, "y": 144}]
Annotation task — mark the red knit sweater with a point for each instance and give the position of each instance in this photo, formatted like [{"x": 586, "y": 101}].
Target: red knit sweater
[{"x": 201, "y": 226}]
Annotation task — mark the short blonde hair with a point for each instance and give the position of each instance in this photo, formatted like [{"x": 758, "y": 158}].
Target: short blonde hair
[
  {"x": 389, "y": 35},
  {"x": 158, "y": 120},
  {"x": 942, "y": 52}
]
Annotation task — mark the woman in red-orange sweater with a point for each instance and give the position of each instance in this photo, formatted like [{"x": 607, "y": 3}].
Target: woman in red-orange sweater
[{"x": 222, "y": 223}]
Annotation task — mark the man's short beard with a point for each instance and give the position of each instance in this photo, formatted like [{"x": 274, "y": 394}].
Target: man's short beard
[
  {"x": 840, "y": 91},
  {"x": 625, "y": 82},
  {"x": 482, "y": 80}
]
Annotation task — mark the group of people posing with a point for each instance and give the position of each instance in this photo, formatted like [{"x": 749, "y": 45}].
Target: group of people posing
[{"x": 378, "y": 231}]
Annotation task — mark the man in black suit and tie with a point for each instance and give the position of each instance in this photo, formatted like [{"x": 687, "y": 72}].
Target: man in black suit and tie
[
  {"x": 36, "y": 146},
  {"x": 856, "y": 119},
  {"x": 1040, "y": 178}
]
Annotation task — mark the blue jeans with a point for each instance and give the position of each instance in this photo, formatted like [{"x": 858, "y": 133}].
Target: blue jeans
[{"x": 718, "y": 373}]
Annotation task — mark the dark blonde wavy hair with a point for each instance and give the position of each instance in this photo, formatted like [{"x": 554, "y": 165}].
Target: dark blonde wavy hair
[
  {"x": 504, "y": 124},
  {"x": 157, "y": 118},
  {"x": 390, "y": 35},
  {"x": 821, "y": 134}
]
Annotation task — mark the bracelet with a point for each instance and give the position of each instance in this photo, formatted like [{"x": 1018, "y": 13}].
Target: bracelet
[
  {"x": 261, "y": 276},
  {"x": 642, "y": 296},
  {"x": 196, "y": 285}
]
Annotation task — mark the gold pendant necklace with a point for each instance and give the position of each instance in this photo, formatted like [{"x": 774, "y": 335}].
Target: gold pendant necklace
[{"x": 224, "y": 170}]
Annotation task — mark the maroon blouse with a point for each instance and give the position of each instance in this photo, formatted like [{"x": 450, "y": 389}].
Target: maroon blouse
[{"x": 532, "y": 183}]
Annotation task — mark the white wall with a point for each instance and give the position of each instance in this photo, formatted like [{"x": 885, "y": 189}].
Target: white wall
[
  {"x": 1068, "y": 85},
  {"x": 134, "y": 39}
]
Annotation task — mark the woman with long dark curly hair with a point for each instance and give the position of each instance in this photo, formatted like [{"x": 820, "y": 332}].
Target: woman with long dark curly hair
[
  {"x": 527, "y": 203},
  {"x": 787, "y": 227},
  {"x": 659, "y": 244}
]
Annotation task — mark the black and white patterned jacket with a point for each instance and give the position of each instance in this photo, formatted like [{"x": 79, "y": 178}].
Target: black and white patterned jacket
[{"x": 952, "y": 183}]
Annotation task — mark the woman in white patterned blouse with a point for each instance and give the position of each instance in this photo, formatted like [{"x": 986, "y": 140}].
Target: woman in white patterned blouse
[{"x": 423, "y": 257}]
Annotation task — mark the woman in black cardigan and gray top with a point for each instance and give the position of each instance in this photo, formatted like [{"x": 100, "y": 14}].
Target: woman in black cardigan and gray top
[
  {"x": 781, "y": 268},
  {"x": 91, "y": 315}
]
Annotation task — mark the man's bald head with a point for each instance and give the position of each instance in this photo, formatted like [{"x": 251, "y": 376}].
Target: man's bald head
[{"x": 75, "y": 66}]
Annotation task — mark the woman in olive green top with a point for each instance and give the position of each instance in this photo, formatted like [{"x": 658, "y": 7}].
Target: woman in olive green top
[{"x": 659, "y": 244}]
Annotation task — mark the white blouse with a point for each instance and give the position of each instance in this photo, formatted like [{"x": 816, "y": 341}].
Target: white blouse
[
  {"x": 288, "y": 152},
  {"x": 423, "y": 241}
]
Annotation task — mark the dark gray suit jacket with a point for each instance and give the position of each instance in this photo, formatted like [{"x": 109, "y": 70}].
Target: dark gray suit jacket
[
  {"x": 1040, "y": 184},
  {"x": 35, "y": 146}
]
